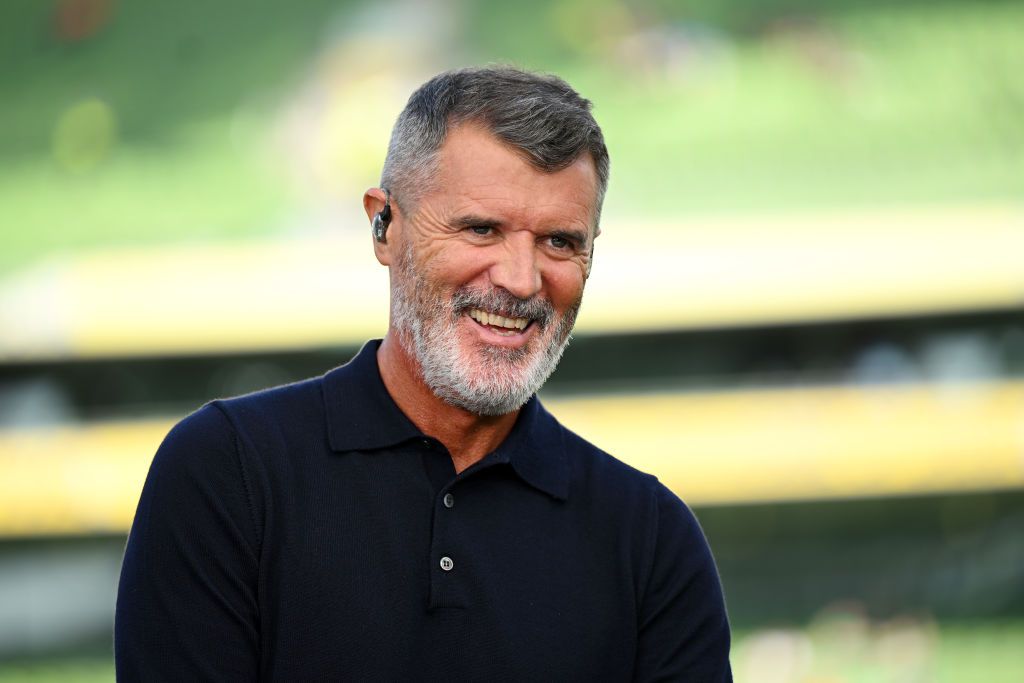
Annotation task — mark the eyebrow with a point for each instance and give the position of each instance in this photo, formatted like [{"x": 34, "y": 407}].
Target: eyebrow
[{"x": 473, "y": 221}]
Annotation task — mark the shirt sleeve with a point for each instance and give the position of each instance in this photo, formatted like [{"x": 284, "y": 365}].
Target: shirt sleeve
[
  {"x": 683, "y": 627},
  {"x": 187, "y": 598}
]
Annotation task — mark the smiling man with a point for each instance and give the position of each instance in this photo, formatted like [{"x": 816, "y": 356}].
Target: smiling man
[{"x": 417, "y": 514}]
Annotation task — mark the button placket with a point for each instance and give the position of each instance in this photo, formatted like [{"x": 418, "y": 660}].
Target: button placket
[
  {"x": 446, "y": 563},
  {"x": 446, "y": 590}
]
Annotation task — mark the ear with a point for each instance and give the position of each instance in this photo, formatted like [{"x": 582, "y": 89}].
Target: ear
[{"x": 373, "y": 203}]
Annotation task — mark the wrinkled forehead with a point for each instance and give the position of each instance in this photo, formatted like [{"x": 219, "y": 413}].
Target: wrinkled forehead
[{"x": 476, "y": 170}]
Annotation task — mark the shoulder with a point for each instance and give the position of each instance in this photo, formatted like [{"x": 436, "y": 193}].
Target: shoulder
[
  {"x": 681, "y": 618},
  {"x": 601, "y": 471},
  {"x": 294, "y": 404},
  {"x": 608, "y": 481},
  {"x": 274, "y": 419},
  {"x": 201, "y": 444},
  {"x": 196, "y": 476},
  {"x": 221, "y": 418},
  {"x": 224, "y": 434},
  {"x": 599, "y": 475}
]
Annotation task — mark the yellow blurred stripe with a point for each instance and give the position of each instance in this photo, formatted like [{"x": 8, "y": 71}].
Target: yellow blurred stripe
[
  {"x": 821, "y": 443},
  {"x": 711, "y": 448},
  {"x": 692, "y": 273},
  {"x": 72, "y": 480},
  {"x": 722, "y": 272}
]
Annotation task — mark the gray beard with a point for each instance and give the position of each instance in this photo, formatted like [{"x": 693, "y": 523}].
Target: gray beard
[{"x": 427, "y": 326}]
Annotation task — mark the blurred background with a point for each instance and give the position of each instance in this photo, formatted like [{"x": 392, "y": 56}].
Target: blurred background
[{"x": 805, "y": 314}]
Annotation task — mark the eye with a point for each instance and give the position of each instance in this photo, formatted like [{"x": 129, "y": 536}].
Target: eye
[
  {"x": 561, "y": 242},
  {"x": 482, "y": 229}
]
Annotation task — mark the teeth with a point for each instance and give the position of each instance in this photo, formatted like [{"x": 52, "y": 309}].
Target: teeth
[{"x": 485, "y": 318}]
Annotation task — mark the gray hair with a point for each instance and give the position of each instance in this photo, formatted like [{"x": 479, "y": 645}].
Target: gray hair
[{"x": 539, "y": 115}]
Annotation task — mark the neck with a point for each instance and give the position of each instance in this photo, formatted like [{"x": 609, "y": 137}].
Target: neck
[{"x": 467, "y": 436}]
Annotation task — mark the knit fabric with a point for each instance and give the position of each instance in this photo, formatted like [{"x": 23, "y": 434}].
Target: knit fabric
[{"x": 312, "y": 532}]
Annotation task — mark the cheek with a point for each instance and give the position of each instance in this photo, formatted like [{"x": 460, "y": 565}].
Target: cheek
[
  {"x": 565, "y": 285},
  {"x": 462, "y": 265},
  {"x": 437, "y": 265}
]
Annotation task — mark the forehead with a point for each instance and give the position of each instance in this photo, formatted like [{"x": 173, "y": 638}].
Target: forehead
[{"x": 476, "y": 171}]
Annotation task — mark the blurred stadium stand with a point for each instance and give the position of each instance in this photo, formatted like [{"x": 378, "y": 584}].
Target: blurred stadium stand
[
  {"x": 806, "y": 314},
  {"x": 790, "y": 371},
  {"x": 742, "y": 362}
]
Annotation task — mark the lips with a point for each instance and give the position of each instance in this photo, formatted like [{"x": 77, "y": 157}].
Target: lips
[
  {"x": 497, "y": 320},
  {"x": 500, "y": 325},
  {"x": 503, "y": 319}
]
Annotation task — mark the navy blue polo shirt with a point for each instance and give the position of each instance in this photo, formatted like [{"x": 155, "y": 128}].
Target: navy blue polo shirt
[{"x": 312, "y": 532}]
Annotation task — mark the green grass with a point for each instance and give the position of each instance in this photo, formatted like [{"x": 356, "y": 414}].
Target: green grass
[
  {"x": 848, "y": 649},
  {"x": 769, "y": 106},
  {"x": 905, "y": 106},
  {"x": 82, "y": 670}
]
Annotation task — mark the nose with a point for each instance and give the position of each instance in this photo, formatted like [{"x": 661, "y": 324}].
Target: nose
[{"x": 517, "y": 270}]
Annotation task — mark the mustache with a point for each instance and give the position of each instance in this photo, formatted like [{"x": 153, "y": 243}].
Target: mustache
[{"x": 502, "y": 302}]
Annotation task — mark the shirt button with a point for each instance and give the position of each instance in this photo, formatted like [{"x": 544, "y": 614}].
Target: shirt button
[
  {"x": 447, "y": 564},
  {"x": 448, "y": 500}
]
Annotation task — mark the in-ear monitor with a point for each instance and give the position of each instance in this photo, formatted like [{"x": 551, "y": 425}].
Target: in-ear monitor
[{"x": 382, "y": 219}]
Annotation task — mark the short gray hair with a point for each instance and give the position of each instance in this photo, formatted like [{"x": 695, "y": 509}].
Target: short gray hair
[{"x": 539, "y": 115}]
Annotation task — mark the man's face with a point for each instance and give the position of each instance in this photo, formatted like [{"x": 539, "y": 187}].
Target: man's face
[{"x": 489, "y": 269}]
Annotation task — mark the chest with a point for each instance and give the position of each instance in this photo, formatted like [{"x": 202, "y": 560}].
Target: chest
[{"x": 400, "y": 578}]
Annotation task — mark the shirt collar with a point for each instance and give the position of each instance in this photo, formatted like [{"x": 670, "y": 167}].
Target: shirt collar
[{"x": 361, "y": 415}]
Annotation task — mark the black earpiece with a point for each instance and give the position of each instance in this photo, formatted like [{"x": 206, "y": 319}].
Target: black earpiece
[{"x": 382, "y": 220}]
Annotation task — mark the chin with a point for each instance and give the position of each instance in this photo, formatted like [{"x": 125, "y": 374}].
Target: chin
[
  {"x": 494, "y": 380},
  {"x": 463, "y": 369}
]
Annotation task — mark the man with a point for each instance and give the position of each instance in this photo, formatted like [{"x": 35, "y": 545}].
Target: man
[{"x": 416, "y": 514}]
